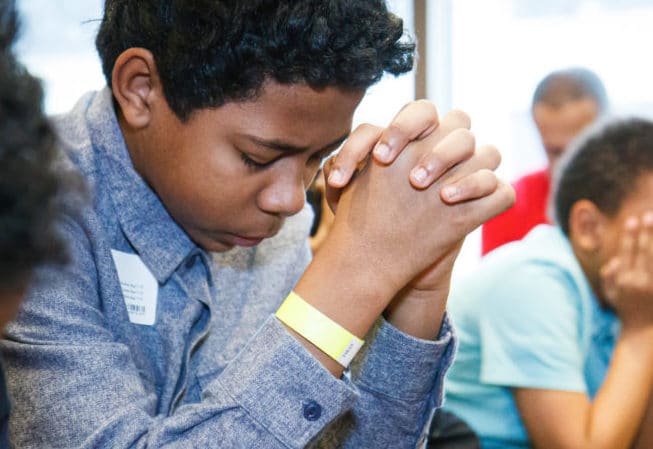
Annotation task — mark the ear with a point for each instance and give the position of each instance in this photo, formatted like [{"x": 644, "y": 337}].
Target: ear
[
  {"x": 586, "y": 225},
  {"x": 133, "y": 82}
]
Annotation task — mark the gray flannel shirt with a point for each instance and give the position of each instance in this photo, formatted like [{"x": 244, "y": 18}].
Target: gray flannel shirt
[{"x": 216, "y": 369}]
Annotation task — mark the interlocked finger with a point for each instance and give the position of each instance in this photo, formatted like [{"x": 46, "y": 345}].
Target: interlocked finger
[
  {"x": 473, "y": 213},
  {"x": 454, "y": 148},
  {"x": 357, "y": 147},
  {"x": 478, "y": 184},
  {"x": 486, "y": 157},
  {"x": 414, "y": 121},
  {"x": 449, "y": 144}
]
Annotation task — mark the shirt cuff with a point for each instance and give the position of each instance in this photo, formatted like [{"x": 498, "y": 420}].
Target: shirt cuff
[
  {"x": 400, "y": 366},
  {"x": 283, "y": 387}
]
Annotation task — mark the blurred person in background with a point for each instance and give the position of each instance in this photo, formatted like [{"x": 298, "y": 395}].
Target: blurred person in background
[
  {"x": 556, "y": 330},
  {"x": 564, "y": 103}
]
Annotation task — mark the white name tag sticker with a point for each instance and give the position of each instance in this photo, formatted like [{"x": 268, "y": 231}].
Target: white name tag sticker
[{"x": 139, "y": 287}]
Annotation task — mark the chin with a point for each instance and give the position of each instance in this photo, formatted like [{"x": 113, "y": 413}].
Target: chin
[
  {"x": 218, "y": 248},
  {"x": 212, "y": 245}
]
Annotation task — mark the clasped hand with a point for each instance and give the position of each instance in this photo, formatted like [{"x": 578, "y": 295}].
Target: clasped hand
[{"x": 405, "y": 214}]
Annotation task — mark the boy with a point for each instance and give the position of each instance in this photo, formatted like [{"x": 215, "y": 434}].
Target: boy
[
  {"x": 556, "y": 331},
  {"x": 163, "y": 332}
]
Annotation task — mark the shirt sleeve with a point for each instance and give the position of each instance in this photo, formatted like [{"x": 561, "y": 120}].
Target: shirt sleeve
[
  {"x": 400, "y": 380},
  {"x": 75, "y": 385},
  {"x": 530, "y": 331},
  {"x": 4, "y": 411}
]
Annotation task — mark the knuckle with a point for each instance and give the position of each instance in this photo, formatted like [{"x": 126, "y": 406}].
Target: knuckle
[
  {"x": 365, "y": 128},
  {"x": 394, "y": 130},
  {"x": 427, "y": 106},
  {"x": 437, "y": 158},
  {"x": 480, "y": 183},
  {"x": 488, "y": 177},
  {"x": 465, "y": 137},
  {"x": 490, "y": 155},
  {"x": 459, "y": 117}
]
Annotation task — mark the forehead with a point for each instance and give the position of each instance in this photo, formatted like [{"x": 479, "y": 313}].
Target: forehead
[
  {"x": 569, "y": 118},
  {"x": 639, "y": 199},
  {"x": 296, "y": 114}
]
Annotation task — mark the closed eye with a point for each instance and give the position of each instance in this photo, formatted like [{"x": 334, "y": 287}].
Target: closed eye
[{"x": 251, "y": 163}]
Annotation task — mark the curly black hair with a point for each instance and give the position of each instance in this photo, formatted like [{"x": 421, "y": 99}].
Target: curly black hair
[
  {"x": 29, "y": 182},
  {"x": 209, "y": 52},
  {"x": 603, "y": 166}
]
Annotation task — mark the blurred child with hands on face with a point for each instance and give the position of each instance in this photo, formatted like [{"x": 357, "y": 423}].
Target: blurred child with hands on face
[{"x": 556, "y": 330}]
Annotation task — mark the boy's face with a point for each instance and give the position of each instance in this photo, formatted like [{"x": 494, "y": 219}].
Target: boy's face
[
  {"x": 558, "y": 126},
  {"x": 230, "y": 176},
  {"x": 635, "y": 204}
]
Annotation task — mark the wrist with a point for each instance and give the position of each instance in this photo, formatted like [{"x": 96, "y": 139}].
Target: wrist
[
  {"x": 418, "y": 309},
  {"x": 345, "y": 288},
  {"x": 418, "y": 313},
  {"x": 318, "y": 329}
]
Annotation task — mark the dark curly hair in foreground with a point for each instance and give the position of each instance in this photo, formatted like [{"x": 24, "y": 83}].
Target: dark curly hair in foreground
[
  {"x": 29, "y": 184},
  {"x": 604, "y": 167},
  {"x": 209, "y": 52}
]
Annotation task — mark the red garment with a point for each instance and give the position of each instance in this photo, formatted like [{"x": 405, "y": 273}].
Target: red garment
[{"x": 532, "y": 193}]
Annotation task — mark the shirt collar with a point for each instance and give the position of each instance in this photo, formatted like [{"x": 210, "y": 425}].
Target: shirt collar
[{"x": 158, "y": 240}]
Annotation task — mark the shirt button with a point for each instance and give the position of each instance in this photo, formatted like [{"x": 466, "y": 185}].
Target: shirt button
[{"x": 312, "y": 411}]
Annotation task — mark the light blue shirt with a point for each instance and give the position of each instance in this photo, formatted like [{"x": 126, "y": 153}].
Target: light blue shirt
[
  {"x": 214, "y": 369},
  {"x": 526, "y": 318}
]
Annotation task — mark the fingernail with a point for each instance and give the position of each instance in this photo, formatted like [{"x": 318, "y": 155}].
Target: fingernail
[
  {"x": 419, "y": 175},
  {"x": 382, "y": 152},
  {"x": 451, "y": 193},
  {"x": 336, "y": 176}
]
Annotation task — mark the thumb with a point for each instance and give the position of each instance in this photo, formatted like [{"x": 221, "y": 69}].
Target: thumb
[{"x": 331, "y": 194}]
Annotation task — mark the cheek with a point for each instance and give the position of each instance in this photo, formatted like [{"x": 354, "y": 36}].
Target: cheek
[
  {"x": 210, "y": 195},
  {"x": 215, "y": 177},
  {"x": 225, "y": 198},
  {"x": 611, "y": 244}
]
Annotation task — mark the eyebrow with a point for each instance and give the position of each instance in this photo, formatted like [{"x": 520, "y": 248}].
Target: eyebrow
[{"x": 279, "y": 145}]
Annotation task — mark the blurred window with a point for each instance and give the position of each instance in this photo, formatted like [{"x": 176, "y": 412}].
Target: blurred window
[
  {"x": 57, "y": 44},
  {"x": 495, "y": 53},
  {"x": 501, "y": 49}
]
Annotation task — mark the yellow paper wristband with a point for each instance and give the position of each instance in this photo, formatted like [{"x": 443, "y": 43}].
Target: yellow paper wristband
[{"x": 327, "y": 335}]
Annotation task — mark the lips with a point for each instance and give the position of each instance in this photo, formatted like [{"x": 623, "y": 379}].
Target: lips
[
  {"x": 252, "y": 240},
  {"x": 246, "y": 241}
]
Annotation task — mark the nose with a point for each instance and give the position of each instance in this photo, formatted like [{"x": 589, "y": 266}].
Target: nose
[{"x": 284, "y": 195}]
